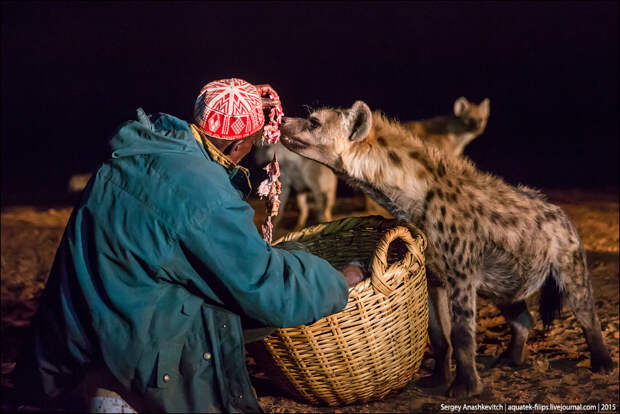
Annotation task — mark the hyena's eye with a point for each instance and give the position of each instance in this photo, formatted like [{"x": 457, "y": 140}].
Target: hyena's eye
[{"x": 314, "y": 123}]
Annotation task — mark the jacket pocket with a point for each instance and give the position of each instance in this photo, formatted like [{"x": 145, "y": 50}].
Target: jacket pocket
[
  {"x": 191, "y": 305},
  {"x": 168, "y": 365}
]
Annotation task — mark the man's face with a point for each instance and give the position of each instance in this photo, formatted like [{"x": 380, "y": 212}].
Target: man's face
[{"x": 242, "y": 148}]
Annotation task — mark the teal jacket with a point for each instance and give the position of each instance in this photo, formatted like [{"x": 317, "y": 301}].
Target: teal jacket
[{"x": 159, "y": 264}]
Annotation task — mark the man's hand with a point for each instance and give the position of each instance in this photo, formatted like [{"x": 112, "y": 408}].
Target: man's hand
[
  {"x": 353, "y": 274},
  {"x": 265, "y": 91}
]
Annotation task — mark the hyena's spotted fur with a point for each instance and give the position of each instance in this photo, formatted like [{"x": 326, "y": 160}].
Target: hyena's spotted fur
[
  {"x": 484, "y": 235},
  {"x": 450, "y": 133}
]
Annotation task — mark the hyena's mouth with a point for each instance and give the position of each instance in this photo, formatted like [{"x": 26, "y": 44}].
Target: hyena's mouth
[{"x": 293, "y": 143}]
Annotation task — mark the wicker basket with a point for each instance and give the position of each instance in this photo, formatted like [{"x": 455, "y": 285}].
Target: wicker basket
[{"x": 376, "y": 344}]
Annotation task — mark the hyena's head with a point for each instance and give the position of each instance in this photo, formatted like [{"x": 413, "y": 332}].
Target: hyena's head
[
  {"x": 474, "y": 116},
  {"x": 327, "y": 133}
]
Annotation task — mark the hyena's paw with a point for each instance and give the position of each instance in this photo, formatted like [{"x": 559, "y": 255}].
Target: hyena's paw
[
  {"x": 463, "y": 388},
  {"x": 602, "y": 364},
  {"x": 432, "y": 381},
  {"x": 513, "y": 358}
]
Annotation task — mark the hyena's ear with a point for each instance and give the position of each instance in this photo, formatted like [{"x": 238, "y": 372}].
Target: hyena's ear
[
  {"x": 360, "y": 119},
  {"x": 461, "y": 105},
  {"x": 485, "y": 106}
]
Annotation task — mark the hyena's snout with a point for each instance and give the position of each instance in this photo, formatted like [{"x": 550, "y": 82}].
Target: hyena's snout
[
  {"x": 474, "y": 123},
  {"x": 291, "y": 128}
]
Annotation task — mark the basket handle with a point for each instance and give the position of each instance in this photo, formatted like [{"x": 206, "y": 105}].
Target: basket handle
[{"x": 379, "y": 263}]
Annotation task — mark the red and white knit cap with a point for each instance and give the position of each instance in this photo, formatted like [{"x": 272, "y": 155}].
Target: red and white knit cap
[{"x": 229, "y": 109}]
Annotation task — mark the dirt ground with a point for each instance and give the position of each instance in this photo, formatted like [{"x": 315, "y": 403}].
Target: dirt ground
[{"x": 557, "y": 370}]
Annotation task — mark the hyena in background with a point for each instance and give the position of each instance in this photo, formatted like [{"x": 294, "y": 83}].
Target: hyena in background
[
  {"x": 449, "y": 133},
  {"x": 305, "y": 177},
  {"x": 453, "y": 132},
  {"x": 484, "y": 236}
]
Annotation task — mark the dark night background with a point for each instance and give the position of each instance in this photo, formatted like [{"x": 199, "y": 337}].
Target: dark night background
[{"x": 73, "y": 71}]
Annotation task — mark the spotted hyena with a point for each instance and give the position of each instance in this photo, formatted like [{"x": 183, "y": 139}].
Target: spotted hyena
[
  {"x": 453, "y": 132},
  {"x": 484, "y": 236},
  {"x": 449, "y": 133}
]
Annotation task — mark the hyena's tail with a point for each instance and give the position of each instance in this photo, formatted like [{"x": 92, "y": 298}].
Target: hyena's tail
[{"x": 550, "y": 305}]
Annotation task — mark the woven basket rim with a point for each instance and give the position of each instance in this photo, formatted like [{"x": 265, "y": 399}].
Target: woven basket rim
[
  {"x": 383, "y": 224},
  {"x": 348, "y": 223}
]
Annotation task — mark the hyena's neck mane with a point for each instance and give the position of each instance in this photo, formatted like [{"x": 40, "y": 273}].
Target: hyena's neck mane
[{"x": 396, "y": 168}]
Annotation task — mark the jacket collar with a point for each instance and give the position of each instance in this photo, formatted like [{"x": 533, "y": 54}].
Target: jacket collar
[{"x": 238, "y": 175}]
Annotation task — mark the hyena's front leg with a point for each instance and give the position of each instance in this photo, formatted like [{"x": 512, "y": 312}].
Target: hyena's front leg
[
  {"x": 462, "y": 295},
  {"x": 439, "y": 334},
  {"x": 304, "y": 210},
  {"x": 520, "y": 320},
  {"x": 320, "y": 202},
  {"x": 330, "y": 200},
  {"x": 324, "y": 192}
]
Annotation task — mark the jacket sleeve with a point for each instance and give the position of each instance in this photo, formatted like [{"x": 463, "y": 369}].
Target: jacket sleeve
[{"x": 276, "y": 287}]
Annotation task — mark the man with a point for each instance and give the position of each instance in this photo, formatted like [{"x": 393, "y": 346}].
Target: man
[{"x": 161, "y": 269}]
